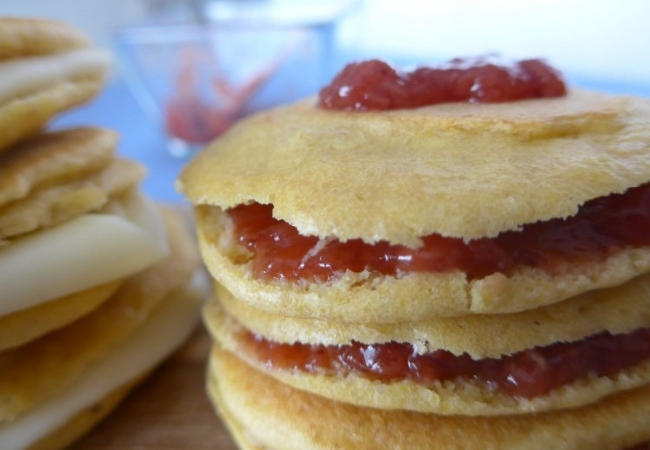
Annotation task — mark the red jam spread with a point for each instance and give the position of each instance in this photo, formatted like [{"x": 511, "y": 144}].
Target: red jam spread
[
  {"x": 601, "y": 227},
  {"x": 528, "y": 374},
  {"x": 375, "y": 85}
]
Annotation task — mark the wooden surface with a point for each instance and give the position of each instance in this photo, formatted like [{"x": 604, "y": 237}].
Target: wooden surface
[{"x": 169, "y": 411}]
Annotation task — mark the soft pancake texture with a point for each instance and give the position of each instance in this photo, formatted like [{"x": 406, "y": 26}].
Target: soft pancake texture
[
  {"x": 64, "y": 416},
  {"x": 85, "y": 342},
  {"x": 367, "y": 298},
  {"x": 54, "y": 158},
  {"x": 46, "y": 67},
  {"x": 618, "y": 310},
  {"x": 448, "y": 398},
  {"x": 23, "y": 326},
  {"x": 55, "y": 204},
  {"x": 480, "y": 169},
  {"x": 23, "y": 37},
  {"x": 25, "y": 116},
  {"x": 265, "y": 414}
]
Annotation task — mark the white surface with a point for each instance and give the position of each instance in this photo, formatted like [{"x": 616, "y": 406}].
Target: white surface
[
  {"x": 604, "y": 39},
  {"x": 596, "y": 38}
]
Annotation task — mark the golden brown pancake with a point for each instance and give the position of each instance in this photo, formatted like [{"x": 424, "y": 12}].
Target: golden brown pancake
[
  {"x": 56, "y": 204},
  {"x": 617, "y": 310},
  {"x": 65, "y": 354},
  {"x": 457, "y": 170},
  {"x": 370, "y": 298},
  {"x": 25, "y": 116},
  {"x": 46, "y": 68},
  {"x": 463, "y": 397},
  {"x": 54, "y": 158},
  {"x": 355, "y": 175},
  {"x": 480, "y": 169},
  {"x": 74, "y": 342},
  {"x": 23, "y": 326},
  {"x": 265, "y": 414}
]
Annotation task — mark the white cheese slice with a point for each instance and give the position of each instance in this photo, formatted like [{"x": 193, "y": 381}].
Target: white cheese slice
[
  {"x": 82, "y": 253},
  {"x": 26, "y": 75},
  {"x": 167, "y": 328}
]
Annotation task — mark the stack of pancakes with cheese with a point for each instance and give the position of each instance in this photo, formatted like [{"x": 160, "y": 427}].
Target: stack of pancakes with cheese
[
  {"x": 97, "y": 283},
  {"x": 457, "y": 276}
]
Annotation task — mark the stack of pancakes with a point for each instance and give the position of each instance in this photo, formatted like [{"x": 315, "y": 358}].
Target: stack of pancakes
[
  {"x": 357, "y": 360},
  {"x": 97, "y": 283}
]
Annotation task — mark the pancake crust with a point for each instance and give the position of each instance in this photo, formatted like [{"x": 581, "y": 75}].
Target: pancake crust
[
  {"x": 480, "y": 169},
  {"x": 363, "y": 298},
  {"x": 81, "y": 344},
  {"x": 23, "y": 326},
  {"x": 54, "y": 158},
  {"x": 55, "y": 204},
  {"x": 618, "y": 310},
  {"x": 264, "y": 413},
  {"x": 24, "y": 37},
  {"x": 24, "y": 116},
  {"x": 448, "y": 398}
]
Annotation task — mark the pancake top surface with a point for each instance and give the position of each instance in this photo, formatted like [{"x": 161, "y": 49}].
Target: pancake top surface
[
  {"x": 54, "y": 158},
  {"x": 458, "y": 169},
  {"x": 22, "y": 37}
]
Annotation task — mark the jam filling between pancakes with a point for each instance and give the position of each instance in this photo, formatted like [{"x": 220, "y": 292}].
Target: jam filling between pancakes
[
  {"x": 375, "y": 85},
  {"x": 601, "y": 227},
  {"x": 526, "y": 374}
]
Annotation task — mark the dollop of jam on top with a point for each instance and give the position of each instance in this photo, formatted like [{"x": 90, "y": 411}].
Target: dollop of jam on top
[{"x": 374, "y": 85}]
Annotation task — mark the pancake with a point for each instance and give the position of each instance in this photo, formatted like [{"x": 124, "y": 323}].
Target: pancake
[
  {"x": 57, "y": 204},
  {"x": 54, "y": 158},
  {"x": 481, "y": 170},
  {"x": 57, "y": 176},
  {"x": 25, "y": 325},
  {"x": 25, "y": 116},
  {"x": 363, "y": 259},
  {"x": 452, "y": 397},
  {"x": 21, "y": 382},
  {"x": 265, "y": 414},
  {"x": 507, "y": 164},
  {"x": 126, "y": 236},
  {"x": 56, "y": 422},
  {"x": 370, "y": 298},
  {"x": 617, "y": 310},
  {"x": 46, "y": 68},
  {"x": 77, "y": 357}
]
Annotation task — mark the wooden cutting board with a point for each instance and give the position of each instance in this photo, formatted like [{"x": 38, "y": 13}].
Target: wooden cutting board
[{"x": 169, "y": 411}]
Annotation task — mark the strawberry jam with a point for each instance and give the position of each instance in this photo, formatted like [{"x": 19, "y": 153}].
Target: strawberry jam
[
  {"x": 374, "y": 85},
  {"x": 601, "y": 227},
  {"x": 527, "y": 374}
]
